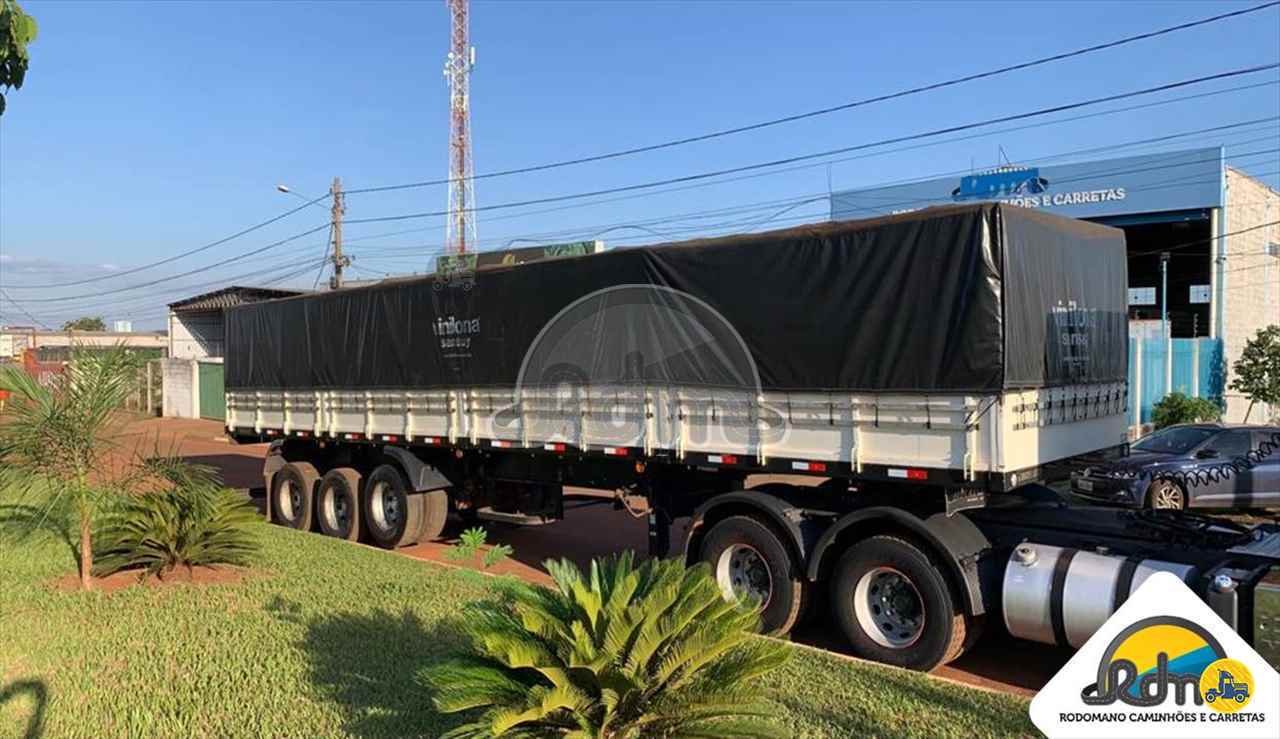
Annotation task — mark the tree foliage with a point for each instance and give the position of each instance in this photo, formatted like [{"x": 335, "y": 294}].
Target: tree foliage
[
  {"x": 86, "y": 323},
  {"x": 17, "y": 30},
  {"x": 647, "y": 651},
  {"x": 59, "y": 435},
  {"x": 191, "y": 521},
  {"x": 1257, "y": 371},
  {"x": 1177, "y": 408}
]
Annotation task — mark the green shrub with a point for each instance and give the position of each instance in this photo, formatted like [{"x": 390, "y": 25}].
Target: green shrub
[
  {"x": 1177, "y": 408},
  {"x": 191, "y": 521},
  {"x": 647, "y": 651}
]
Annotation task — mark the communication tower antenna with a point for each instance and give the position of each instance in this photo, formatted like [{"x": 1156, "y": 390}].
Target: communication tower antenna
[{"x": 460, "y": 233}]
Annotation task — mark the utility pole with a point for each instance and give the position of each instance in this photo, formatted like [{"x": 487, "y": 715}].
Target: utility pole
[{"x": 339, "y": 261}]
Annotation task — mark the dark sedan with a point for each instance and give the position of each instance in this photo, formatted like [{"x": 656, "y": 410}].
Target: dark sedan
[{"x": 1193, "y": 466}]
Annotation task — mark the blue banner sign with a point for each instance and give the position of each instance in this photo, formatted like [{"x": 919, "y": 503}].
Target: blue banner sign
[{"x": 1149, "y": 183}]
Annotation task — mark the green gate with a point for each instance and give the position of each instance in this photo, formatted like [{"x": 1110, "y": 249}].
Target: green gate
[{"x": 213, "y": 402}]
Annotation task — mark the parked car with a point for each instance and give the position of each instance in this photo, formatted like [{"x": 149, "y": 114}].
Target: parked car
[{"x": 1203, "y": 465}]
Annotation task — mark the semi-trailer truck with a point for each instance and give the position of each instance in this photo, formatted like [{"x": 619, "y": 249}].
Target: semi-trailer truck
[{"x": 929, "y": 371}]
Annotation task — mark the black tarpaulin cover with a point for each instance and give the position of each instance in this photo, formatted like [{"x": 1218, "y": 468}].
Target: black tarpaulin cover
[{"x": 956, "y": 298}]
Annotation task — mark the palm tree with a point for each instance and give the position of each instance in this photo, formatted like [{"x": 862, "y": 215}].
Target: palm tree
[
  {"x": 59, "y": 434},
  {"x": 647, "y": 651}
]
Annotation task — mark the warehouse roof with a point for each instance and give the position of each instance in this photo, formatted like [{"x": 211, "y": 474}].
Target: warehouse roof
[{"x": 228, "y": 297}]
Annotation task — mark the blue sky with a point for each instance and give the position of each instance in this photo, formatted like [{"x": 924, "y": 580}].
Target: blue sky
[{"x": 150, "y": 128}]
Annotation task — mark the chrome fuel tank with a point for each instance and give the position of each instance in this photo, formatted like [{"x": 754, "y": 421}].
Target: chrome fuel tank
[{"x": 1061, "y": 596}]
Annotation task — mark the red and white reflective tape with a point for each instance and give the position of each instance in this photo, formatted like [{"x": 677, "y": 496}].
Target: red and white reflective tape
[
  {"x": 500, "y": 443},
  {"x": 722, "y": 458},
  {"x": 390, "y": 437},
  {"x": 909, "y": 474},
  {"x": 809, "y": 466},
  {"x": 353, "y": 437},
  {"x": 616, "y": 451},
  {"x": 302, "y": 434},
  {"x": 271, "y": 432},
  {"x": 553, "y": 447},
  {"x": 431, "y": 440}
]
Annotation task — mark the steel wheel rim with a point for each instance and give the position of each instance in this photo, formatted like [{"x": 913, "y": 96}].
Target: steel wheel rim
[
  {"x": 337, "y": 513},
  {"x": 1167, "y": 496},
  {"x": 889, "y": 608},
  {"x": 742, "y": 572},
  {"x": 290, "y": 499},
  {"x": 385, "y": 507}
]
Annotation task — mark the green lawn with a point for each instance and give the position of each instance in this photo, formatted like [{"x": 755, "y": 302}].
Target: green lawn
[{"x": 325, "y": 639}]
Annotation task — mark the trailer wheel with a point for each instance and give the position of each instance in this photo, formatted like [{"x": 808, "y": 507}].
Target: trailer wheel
[
  {"x": 292, "y": 491},
  {"x": 392, "y": 514},
  {"x": 748, "y": 559},
  {"x": 338, "y": 504},
  {"x": 895, "y": 606}
]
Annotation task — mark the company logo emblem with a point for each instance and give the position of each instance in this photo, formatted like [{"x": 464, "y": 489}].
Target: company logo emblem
[
  {"x": 1000, "y": 183},
  {"x": 1147, "y": 672},
  {"x": 1155, "y": 659}
]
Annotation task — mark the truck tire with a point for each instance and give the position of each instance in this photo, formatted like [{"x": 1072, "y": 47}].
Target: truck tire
[
  {"x": 392, "y": 512},
  {"x": 292, "y": 492},
  {"x": 747, "y": 557},
  {"x": 895, "y": 606},
  {"x": 337, "y": 506}
]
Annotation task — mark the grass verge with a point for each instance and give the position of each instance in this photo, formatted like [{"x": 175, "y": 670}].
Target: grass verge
[{"x": 327, "y": 639}]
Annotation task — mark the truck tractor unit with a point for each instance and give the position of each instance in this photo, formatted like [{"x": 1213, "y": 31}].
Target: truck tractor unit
[{"x": 858, "y": 416}]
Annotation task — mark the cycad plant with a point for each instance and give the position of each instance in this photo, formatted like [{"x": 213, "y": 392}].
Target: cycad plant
[
  {"x": 628, "y": 651},
  {"x": 58, "y": 435},
  {"x": 191, "y": 520}
]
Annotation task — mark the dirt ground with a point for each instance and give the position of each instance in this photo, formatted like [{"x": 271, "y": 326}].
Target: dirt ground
[{"x": 592, "y": 527}]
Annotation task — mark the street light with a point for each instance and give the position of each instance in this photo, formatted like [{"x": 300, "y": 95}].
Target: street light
[{"x": 312, "y": 201}]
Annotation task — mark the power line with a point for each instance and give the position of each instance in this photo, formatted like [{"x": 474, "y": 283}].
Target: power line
[
  {"x": 198, "y": 270},
  {"x": 23, "y": 310},
  {"x": 176, "y": 257},
  {"x": 1059, "y": 155},
  {"x": 836, "y": 108},
  {"x": 841, "y": 150}
]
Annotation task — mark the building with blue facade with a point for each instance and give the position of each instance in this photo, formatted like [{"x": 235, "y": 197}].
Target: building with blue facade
[{"x": 1203, "y": 241}]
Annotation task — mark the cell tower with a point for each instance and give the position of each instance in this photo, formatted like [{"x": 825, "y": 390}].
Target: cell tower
[{"x": 460, "y": 233}]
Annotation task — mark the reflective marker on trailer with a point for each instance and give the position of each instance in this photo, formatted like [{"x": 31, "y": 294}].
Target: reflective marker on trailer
[
  {"x": 616, "y": 451},
  {"x": 271, "y": 432},
  {"x": 302, "y": 434},
  {"x": 353, "y": 437},
  {"x": 390, "y": 437},
  {"x": 722, "y": 459},
  {"x": 809, "y": 466},
  {"x": 909, "y": 474},
  {"x": 500, "y": 444},
  {"x": 430, "y": 440},
  {"x": 553, "y": 447}
]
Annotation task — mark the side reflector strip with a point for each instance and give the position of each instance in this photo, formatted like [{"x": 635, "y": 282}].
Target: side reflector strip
[
  {"x": 271, "y": 432},
  {"x": 722, "y": 459},
  {"x": 616, "y": 451},
  {"x": 390, "y": 437},
  {"x": 499, "y": 443},
  {"x": 353, "y": 437},
  {"x": 430, "y": 440},
  {"x": 302, "y": 434},
  {"x": 809, "y": 466},
  {"x": 910, "y": 474},
  {"x": 553, "y": 447}
]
